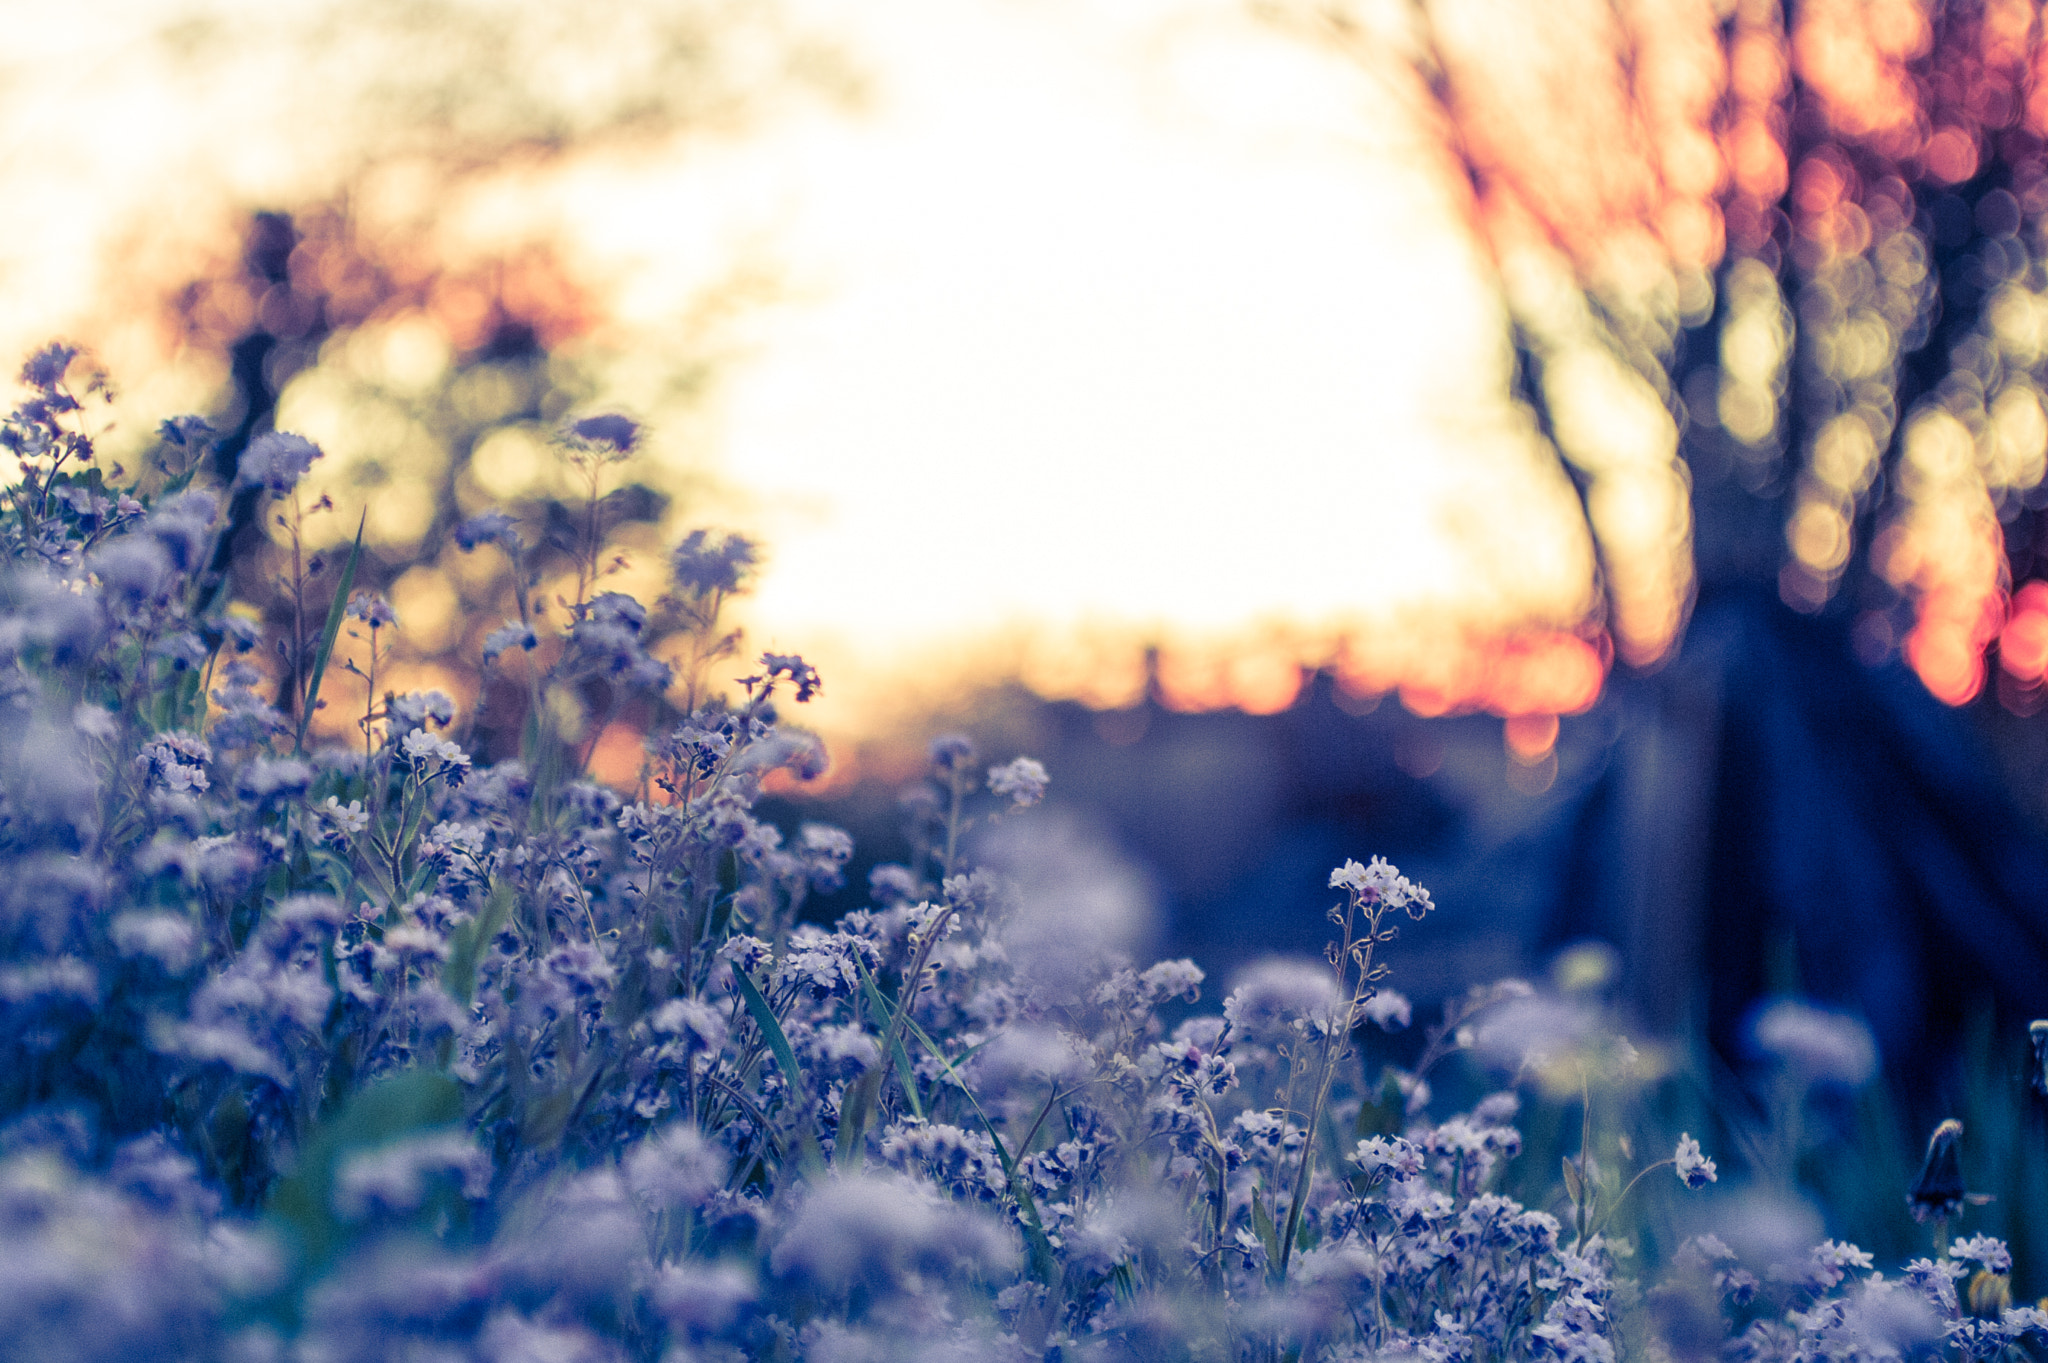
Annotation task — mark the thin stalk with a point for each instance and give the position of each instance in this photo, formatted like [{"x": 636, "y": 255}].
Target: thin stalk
[
  {"x": 1360, "y": 954},
  {"x": 298, "y": 615},
  {"x": 1609, "y": 1212},
  {"x": 906, "y": 998},
  {"x": 1024, "y": 1146},
  {"x": 953, "y": 821}
]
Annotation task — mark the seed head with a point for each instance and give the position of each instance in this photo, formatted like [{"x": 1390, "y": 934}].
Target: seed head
[{"x": 1938, "y": 1192}]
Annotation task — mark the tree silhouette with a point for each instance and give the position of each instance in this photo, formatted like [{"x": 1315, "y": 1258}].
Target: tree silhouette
[
  {"x": 1775, "y": 288},
  {"x": 1784, "y": 266}
]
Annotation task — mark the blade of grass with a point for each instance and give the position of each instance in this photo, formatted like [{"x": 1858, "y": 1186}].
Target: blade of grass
[
  {"x": 172, "y": 487},
  {"x": 811, "y": 1156},
  {"x": 1269, "y": 1234},
  {"x": 468, "y": 940},
  {"x": 771, "y": 1030},
  {"x": 1043, "y": 1263},
  {"x": 853, "y": 1117},
  {"x": 901, "y": 1058},
  {"x": 329, "y": 631}
]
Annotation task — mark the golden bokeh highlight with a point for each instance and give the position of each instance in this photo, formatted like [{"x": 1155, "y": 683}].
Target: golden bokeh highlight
[{"x": 1607, "y": 178}]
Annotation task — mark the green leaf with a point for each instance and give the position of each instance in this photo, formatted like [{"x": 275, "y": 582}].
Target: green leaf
[
  {"x": 1574, "y": 1183},
  {"x": 910, "y": 1025},
  {"x": 771, "y": 1030},
  {"x": 901, "y": 1057},
  {"x": 174, "y": 486},
  {"x": 416, "y": 1100},
  {"x": 546, "y": 1117},
  {"x": 1269, "y": 1235},
  {"x": 1382, "y": 1116},
  {"x": 853, "y": 1116},
  {"x": 466, "y": 943},
  {"x": 329, "y": 631},
  {"x": 1044, "y": 1264},
  {"x": 191, "y": 700}
]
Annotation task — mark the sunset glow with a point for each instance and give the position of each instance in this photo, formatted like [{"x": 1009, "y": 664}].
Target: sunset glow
[
  {"x": 1044, "y": 342},
  {"x": 1098, "y": 336}
]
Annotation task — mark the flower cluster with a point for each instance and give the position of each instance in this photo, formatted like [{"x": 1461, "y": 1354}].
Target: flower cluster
[
  {"x": 1830, "y": 1303},
  {"x": 386, "y": 1051}
]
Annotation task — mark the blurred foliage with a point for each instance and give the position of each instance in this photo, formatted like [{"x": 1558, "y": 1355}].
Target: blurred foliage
[
  {"x": 468, "y": 87},
  {"x": 455, "y": 367},
  {"x": 1775, "y": 286}
]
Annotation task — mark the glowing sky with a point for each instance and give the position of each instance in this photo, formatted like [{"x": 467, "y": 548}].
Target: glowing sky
[
  {"x": 1155, "y": 322},
  {"x": 1138, "y": 316}
]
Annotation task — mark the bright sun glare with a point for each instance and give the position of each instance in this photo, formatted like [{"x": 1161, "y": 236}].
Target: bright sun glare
[{"x": 1138, "y": 323}]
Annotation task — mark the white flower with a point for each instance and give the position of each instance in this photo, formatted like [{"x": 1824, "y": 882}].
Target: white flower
[
  {"x": 421, "y": 746},
  {"x": 166, "y": 937},
  {"x": 348, "y": 820},
  {"x": 1695, "y": 1170},
  {"x": 1389, "y": 1010},
  {"x": 1273, "y": 993},
  {"x": 1381, "y": 883},
  {"x": 1389, "y": 1155},
  {"x": 1823, "y": 1045},
  {"x": 1983, "y": 1249},
  {"x": 1023, "y": 780},
  {"x": 395, "y": 1175}
]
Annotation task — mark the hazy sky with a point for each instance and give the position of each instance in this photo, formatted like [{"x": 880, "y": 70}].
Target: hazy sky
[
  {"x": 1155, "y": 320},
  {"x": 1139, "y": 316}
]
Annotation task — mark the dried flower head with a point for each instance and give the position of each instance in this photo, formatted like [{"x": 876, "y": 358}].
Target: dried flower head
[
  {"x": 703, "y": 566},
  {"x": 608, "y": 429},
  {"x": 1937, "y": 1194}
]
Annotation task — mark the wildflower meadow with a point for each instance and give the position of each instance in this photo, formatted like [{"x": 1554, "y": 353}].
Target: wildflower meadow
[{"x": 326, "y": 1039}]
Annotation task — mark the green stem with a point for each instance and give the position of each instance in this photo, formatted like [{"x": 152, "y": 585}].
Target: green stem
[
  {"x": 953, "y": 824},
  {"x": 1606, "y": 1215},
  {"x": 1333, "y": 1044}
]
